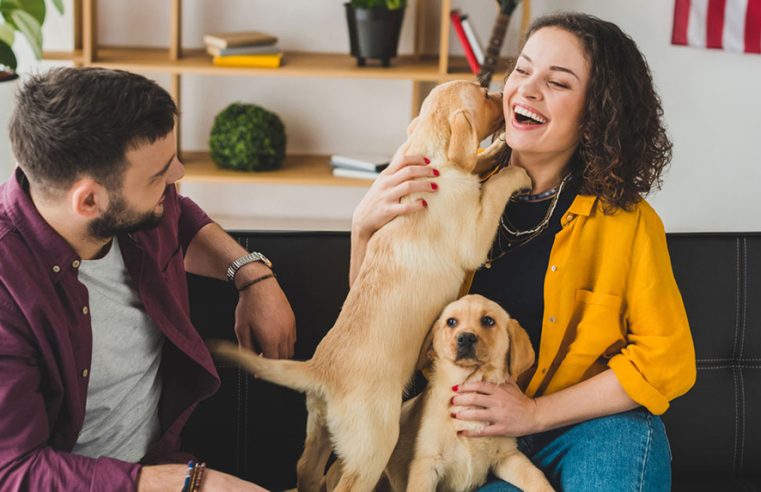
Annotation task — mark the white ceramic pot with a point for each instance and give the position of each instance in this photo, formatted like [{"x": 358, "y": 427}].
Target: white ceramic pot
[{"x": 7, "y": 99}]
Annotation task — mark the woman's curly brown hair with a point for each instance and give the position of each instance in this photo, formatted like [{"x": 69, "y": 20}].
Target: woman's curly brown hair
[{"x": 623, "y": 145}]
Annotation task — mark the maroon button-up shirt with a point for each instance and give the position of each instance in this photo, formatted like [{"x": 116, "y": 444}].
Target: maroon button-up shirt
[{"x": 46, "y": 344}]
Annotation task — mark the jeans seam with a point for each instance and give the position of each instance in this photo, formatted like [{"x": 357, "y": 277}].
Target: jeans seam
[{"x": 648, "y": 443}]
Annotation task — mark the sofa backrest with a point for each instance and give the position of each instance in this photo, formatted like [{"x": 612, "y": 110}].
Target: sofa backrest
[{"x": 256, "y": 430}]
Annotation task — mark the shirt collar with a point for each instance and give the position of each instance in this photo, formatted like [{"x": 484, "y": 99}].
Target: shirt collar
[
  {"x": 582, "y": 205},
  {"x": 44, "y": 242}
]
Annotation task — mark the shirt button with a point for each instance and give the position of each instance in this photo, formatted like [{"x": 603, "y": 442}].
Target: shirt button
[
  {"x": 85, "y": 310},
  {"x": 75, "y": 263},
  {"x": 553, "y": 268},
  {"x": 544, "y": 371},
  {"x": 56, "y": 268},
  {"x": 85, "y": 373},
  {"x": 552, "y": 319},
  {"x": 569, "y": 217}
]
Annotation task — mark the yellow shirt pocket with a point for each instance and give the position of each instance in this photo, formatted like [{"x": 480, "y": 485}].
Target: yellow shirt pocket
[{"x": 600, "y": 329}]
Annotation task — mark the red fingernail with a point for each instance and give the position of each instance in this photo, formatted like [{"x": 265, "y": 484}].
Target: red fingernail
[
  {"x": 436, "y": 172},
  {"x": 425, "y": 203},
  {"x": 455, "y": 387},
  {"x": 427, "y": 160},
  {"x": 453, "y": 415},
  {"x": 434, "y": 186}
]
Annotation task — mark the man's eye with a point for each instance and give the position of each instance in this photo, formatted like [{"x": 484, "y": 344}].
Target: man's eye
[
  {"x": 487, "y": 321},
  {"x": 451, "y": 322}
]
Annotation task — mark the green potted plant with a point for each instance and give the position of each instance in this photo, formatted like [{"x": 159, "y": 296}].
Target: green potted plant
[
  {"x": 374, "y": 28},
  {"x": 247, "y": 137},
  {"x": 25, "y": 17}
]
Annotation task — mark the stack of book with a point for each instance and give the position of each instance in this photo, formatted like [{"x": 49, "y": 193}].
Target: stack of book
[
  {"x": 468, "y": 39},
  {"x": 362, "y": 166},
  {"x": 244, "y": 49}
]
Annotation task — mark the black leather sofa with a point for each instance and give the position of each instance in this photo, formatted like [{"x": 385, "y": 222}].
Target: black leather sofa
[{"x": 255, "y": 430}]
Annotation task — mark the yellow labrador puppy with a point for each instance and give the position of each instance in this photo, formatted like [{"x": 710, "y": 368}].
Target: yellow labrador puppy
[
  {"x": 412, "y": 268},
  {"x": 474, "y": 339}
]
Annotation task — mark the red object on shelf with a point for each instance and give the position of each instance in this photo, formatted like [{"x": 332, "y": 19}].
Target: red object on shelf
[{"x": 469, "y": 54}]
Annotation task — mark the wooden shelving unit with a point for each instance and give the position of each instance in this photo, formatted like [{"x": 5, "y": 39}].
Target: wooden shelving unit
[{"x": 423, "y": 71}]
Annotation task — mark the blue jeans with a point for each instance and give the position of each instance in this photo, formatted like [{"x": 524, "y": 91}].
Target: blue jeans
[{"x": 622, "y": 452}]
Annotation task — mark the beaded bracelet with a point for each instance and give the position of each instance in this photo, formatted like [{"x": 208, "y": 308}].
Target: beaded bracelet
[
  {"x": 255, "y": 281},
  {"x": 194, "y": 476}
]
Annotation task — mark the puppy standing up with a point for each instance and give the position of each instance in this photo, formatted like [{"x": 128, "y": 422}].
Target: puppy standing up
[
  {"x": 474, "y": 339},
  {"x": 413, "y": 267}
]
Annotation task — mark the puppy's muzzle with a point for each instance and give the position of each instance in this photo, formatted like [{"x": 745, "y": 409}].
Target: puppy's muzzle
[{"x": 466, "y": 345}]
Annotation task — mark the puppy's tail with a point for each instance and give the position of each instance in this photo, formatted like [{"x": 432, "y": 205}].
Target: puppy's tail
[{"x": 292, "y": 374}]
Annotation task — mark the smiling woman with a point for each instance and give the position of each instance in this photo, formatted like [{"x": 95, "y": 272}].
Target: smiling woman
[{"x": 583, "y": 119}]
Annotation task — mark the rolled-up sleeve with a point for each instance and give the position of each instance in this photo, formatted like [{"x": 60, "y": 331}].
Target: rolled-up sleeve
[
  {"x": 191, "y": 219},
  {"x": 26, "y": 460},
  {"x": 658, "y": 362}
]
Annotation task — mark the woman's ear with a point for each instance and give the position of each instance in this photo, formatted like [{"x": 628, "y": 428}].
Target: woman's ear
[
  {"x": 463, "y": 140},
  {"x": 520, "y": 357}
]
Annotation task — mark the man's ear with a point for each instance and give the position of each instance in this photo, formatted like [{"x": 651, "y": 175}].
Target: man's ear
[
  {"x": 88, "y": 198},
  {"x": 463, "y": 140},
  {"x": 520, "y": 357}
]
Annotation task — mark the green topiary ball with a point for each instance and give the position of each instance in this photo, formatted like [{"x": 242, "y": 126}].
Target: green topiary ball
[{"x": 247, "y": 137}]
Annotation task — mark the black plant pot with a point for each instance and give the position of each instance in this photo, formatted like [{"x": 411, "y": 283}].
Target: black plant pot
[{"x": 374, "y": 33}]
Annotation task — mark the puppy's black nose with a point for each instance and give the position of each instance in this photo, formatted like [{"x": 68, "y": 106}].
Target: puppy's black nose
[{"x": 466, "y": 340}]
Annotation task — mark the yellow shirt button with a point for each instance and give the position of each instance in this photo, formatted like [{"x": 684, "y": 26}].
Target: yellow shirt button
[
  {"x": 554, "y": 268},
  {"x": 569, "y": 217},
  {"x": 85, "y": 310},
  {"x": 552, "y": 319},
  {"x": 85, "y": 373},
  {"x": 56, "y": 268}
]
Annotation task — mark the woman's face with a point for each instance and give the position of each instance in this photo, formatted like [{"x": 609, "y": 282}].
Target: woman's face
[{"x": 544, "y": 95}]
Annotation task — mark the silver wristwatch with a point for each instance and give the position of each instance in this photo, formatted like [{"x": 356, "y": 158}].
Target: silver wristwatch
[{"x": 245, "y": 260}]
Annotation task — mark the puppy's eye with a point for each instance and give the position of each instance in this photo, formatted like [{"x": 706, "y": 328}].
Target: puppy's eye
[
  {"x": 487, "y": 321},
  {"x": 451, "y": 322}
]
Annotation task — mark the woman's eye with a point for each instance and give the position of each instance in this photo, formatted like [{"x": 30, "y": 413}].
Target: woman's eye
[
  {"x": 451, "y": 322},
  {"x": 487, "y": 321},
  {"x": 521, "y": 70},
  {"x": 558, "y": 84}
]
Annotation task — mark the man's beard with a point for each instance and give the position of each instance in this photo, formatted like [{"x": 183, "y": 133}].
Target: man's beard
[{"x": 118, "y": 219}]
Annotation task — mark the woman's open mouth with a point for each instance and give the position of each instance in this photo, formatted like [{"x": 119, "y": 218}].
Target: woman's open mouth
[{"x": 525, "y": 118}]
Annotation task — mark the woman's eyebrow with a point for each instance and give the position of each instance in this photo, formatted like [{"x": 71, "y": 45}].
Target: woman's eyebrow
[{"x": 556, "y": 68}]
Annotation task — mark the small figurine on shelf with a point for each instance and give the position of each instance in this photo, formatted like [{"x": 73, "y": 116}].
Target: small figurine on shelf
[
  {"x": 374, "y": 28},
  {"x": 247, "y": 137}
]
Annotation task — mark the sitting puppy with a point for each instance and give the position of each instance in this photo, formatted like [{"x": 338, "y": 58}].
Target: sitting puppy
[
  {"x": 474, "y": 339},
  {"x": 413, "y": 267}
]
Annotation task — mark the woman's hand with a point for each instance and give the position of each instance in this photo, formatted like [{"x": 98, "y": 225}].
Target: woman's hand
[
  {"x": 504, "y": 409},
  {"x": 381, "y": 203}
]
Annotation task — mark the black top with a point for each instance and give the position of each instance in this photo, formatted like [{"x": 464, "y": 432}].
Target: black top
[{"x": 515, "y": 280}]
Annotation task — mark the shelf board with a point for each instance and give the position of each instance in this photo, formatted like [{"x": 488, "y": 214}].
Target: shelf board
[
  {"x": 296, "y": 170},
  {"x": 295, "y": 64},
  {"x": 75, "y": 56}
]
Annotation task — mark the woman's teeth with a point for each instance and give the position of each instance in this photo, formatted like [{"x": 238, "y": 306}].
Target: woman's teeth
[{"x": 524, "y": 115}]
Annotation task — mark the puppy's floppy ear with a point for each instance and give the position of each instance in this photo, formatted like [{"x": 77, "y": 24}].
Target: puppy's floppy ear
[
  {"x": 463, "y": 140},
  {"x": 427, "y": 352},
  {"x": 488, "y": 159},
  {"x": 520, "y": 357}
]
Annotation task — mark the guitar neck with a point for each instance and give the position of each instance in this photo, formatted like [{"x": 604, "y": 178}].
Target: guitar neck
[{"x": 495, "y": 46}]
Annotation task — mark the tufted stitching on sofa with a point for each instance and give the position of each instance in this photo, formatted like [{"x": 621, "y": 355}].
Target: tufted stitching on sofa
[{"x": 733, "y": 366}]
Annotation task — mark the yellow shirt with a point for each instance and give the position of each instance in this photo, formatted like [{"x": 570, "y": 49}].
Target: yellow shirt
[{"x": 611, "y": 301}]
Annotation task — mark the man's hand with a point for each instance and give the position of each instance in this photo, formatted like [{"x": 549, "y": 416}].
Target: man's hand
[
  {"x": 160, "y": 478},
  {"x": 264, "y": 315}
]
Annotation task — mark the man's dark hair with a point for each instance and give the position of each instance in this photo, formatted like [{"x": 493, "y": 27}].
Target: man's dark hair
[{"x": 70, "y": 122}]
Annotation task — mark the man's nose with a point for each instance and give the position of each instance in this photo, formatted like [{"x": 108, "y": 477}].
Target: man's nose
[{"x": 175, "y": 172}]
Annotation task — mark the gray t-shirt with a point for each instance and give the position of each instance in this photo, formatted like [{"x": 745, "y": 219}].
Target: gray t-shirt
[{"x": 121, "y": 416}]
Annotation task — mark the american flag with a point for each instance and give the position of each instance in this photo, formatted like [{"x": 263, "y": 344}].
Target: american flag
[{"x": 733, "y": 25}]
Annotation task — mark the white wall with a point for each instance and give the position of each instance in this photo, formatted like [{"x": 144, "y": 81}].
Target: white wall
[{"x": 711, "y": 100}]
